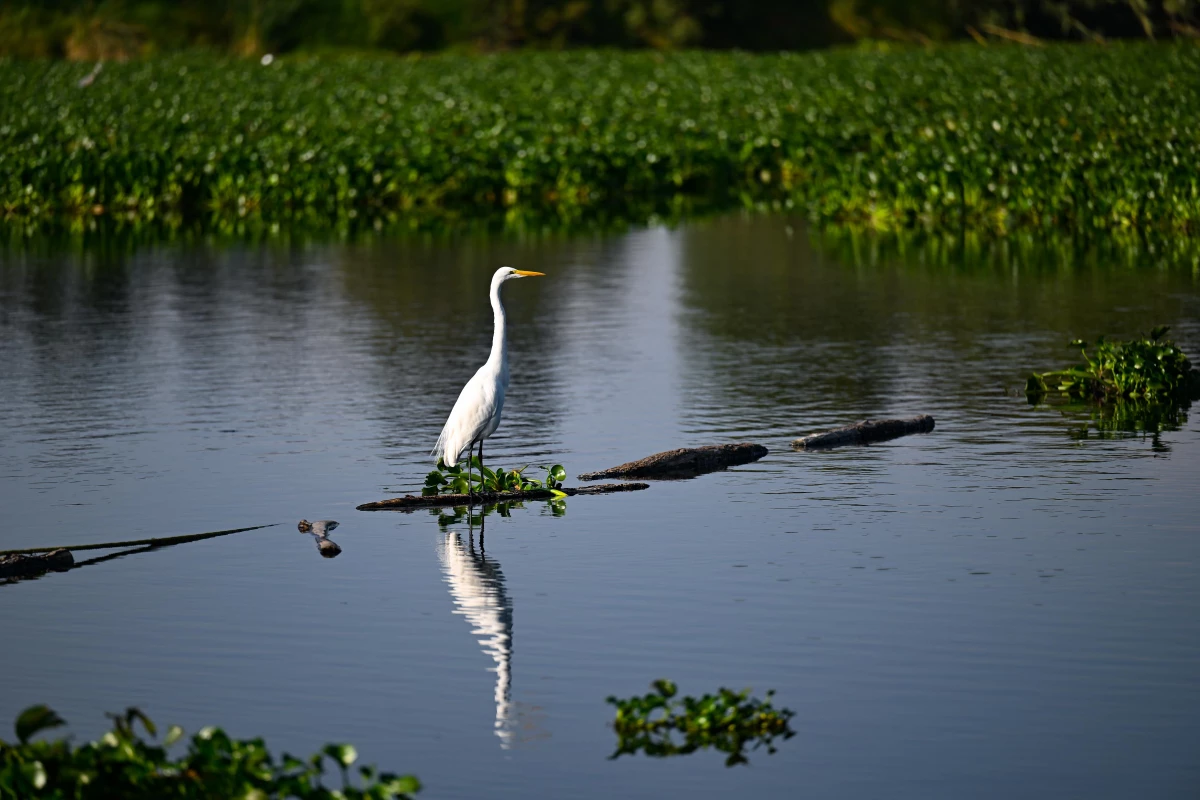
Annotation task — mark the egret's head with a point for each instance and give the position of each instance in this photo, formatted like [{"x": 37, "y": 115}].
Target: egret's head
[{"x": 508, "y": 273}]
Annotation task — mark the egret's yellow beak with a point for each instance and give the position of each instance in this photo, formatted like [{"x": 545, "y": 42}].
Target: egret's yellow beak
[{"x": 524, "y": 273}]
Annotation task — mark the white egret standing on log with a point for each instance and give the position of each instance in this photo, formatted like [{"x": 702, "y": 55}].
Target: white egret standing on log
[{"x": 476, "y": 413}]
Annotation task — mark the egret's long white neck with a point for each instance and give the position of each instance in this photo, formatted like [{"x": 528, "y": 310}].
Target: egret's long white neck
[{"x": 499, "y": 356}]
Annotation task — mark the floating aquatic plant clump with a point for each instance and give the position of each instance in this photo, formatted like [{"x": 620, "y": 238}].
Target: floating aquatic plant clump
[
  {"x": 1149, "y": 368},
  {"x": 123, "y": 763},
  {"x": 1073, "y": 136},
  {"x": 453, "y": 479},
  {"x": 658, "y": 725}
]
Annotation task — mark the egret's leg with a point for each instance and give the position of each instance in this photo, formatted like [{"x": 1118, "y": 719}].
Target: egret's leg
[
  {"x": 480, "y": 462},
  {"x": 470, "y": 485}
]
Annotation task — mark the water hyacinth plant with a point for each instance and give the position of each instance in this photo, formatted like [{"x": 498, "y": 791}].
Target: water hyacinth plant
[
  {"x": 125, "y": 764},
  {"x": 1149, "y": 368},
  {"x": 658, "y": 725},
  {"x": 453, "y": 479},
  {"x": 1084, "y": 137}
]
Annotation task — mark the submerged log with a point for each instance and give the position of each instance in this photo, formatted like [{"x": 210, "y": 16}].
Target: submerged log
[
  {"x": 161, "y": 541},
  {"x": 410, "y": 502},
  {"x": 24, "y": 566},
  {"x": 865, "y": 432},
  {"x": 686, "y": 462}
]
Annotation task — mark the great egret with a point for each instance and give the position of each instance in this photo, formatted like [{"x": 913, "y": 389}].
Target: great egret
[{"x": 476, "y": 413}]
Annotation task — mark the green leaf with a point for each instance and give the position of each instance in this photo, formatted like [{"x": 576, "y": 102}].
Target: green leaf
[
  {"x": 133, "y": 714},
  {"x": 343, "y": 754},
  {"x": 399, "y": 784},
  {"x": 558, "y": 472},
  {"x": 35, "y": 719},
  {"x": 174, "y": 734}
]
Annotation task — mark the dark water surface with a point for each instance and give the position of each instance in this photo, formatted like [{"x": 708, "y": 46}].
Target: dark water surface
[{"x": 1004, "y": 608}]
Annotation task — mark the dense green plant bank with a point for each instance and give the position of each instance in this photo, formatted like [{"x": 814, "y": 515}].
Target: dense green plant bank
[
  {"x": 126, "y": 764},
  {"x": 1078, "y": 136}
]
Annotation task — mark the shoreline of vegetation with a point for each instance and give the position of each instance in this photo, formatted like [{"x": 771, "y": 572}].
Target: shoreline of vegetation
[{"x": 1073, "y": 137}]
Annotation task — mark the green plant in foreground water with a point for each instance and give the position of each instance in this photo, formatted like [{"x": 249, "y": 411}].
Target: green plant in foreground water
[
  {"x": 726, "y": 721},
  {"x": 453, "y": 479},
  {"x": 215, "y": 767},
  {"x": 1149, "y": 368}
]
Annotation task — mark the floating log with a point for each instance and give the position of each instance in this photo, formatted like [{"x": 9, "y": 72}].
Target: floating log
[
  {"x": 686, "y": 462},
  {"x": 19, "y": 565},
  {"x": 410, "y": 502},
  {"x": 865, "y": 432}
]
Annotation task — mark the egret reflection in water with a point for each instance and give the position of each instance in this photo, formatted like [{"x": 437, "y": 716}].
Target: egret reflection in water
[{"x": 477, "y": 587}]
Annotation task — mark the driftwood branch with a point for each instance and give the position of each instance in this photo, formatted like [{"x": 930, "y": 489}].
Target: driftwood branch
[
  {"x": 865, "y": 432},
  {"x": 18, "y": 565},
  {"x": 686, "y": 462},
  {"x": 154, "y": 542},
  {"x": 409, "y": 502}
]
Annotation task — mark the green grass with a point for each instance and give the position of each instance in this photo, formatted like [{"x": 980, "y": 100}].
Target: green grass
[{"x": 1078, "y": 137}]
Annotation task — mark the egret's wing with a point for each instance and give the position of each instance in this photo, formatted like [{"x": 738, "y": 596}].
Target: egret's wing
[{"x": 477, "y": 404}]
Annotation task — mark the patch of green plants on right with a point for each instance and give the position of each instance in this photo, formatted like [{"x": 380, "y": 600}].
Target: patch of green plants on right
[
  {"x": 1149, "y": 368},
  {"x": 476, "y": 479},
  {"x": 659, "y": 725},
  {"x": 1145, "y": 385},
  {"x": 124, "y": 763}
]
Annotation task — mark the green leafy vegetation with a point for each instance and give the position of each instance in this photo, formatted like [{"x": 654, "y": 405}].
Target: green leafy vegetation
[
  {"x": 453, "y": 479},
  {"x": 659, "y": 725},
  {"x": 1145, "y": 385},
  {"x": 1083, "y": 137},
  {"x": 1149, "y": 369},
  {"x": 123, "y": 763}
]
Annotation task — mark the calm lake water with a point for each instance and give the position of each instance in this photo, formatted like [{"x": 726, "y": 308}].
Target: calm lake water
[{"x": 1007, "y": 607}]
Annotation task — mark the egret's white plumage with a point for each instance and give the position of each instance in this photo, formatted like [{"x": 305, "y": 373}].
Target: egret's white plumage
[{"x": 476, "y": 413}]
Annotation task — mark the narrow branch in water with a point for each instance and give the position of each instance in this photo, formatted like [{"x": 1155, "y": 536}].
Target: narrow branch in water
[{"x": 152, "y": 542}]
